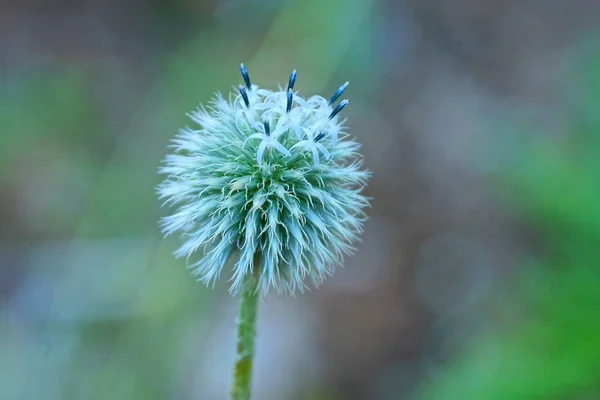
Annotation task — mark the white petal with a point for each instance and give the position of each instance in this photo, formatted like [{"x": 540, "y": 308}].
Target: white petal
[
  {"x": 281, "y": 148},
  {"x": 300, "y": 101},
  {"x": 255, "y": 124},
  {"x": 323, "y": 150},
  {"x": 334, "y": 135},
  {"x": 261, "y": 150},
  {"x": 280, "y": 128},
  {"x": 263, "y": 92},
  {"x": 309, "y": 134},
  {"x": 261, "y": 106},
  {"x": 315, "y": 154},
  {"x": 257, "y": 136},
  {"x": 254, "y": 136},
  {"x": 302, "y": 143},
  {"x": 317, "y": 101},
  {"x": 299, "y": 131}
]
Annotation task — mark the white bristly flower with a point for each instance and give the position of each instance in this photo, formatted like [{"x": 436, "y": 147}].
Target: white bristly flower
[
  {"x": 268, "y": 140},
  {"x": 266, "y": 176},
  {"x": 312, "y": 144}
]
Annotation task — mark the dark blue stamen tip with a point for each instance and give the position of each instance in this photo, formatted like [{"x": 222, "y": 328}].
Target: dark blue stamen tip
[
  {"x": 338, "y": 93},
  {"x": 245, "y": 75},
  {"x": 244, "y": 95},
  {"x": 320, "y": 136},
  {"x": 339, "y": 108},
  {"x": 290, "y": 98},
  {"x": 267, "y": 128},
  {"x": 292, "y": 81}
]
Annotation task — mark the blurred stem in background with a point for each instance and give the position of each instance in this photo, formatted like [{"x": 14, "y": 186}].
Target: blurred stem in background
[{"x": 246, "y": 333}]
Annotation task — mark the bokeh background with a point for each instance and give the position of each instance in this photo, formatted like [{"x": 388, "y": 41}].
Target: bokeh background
[{"x": 477, "y": 277}]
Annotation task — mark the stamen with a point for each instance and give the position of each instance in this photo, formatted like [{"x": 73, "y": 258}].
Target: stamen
[
  {"x": 339, "y": 108},
  {"x": 290, "y": 98},
  {"x": 338, "y": 93},
  {"x": 320, "y": 136},
  {"x": 267, "y": 128},
  {"x": 245, "y": 75},
  {"x": 244, "y": 96},
  {"x": 292, "y": 80}
]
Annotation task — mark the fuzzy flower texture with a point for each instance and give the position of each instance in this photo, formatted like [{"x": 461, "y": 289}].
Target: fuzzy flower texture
[{"x": 267, "y": 178}]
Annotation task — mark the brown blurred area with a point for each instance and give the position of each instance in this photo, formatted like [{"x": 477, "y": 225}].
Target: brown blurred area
[{"x": 430, "y": 80}]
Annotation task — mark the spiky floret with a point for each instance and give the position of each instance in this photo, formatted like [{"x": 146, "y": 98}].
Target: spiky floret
[{"x": 265, "y": 173}]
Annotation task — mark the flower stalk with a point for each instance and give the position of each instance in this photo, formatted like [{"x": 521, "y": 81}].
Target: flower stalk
[{"x": 246, "y": 333}]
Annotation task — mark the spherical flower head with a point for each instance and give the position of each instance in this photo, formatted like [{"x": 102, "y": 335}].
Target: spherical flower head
[{"x": 269, "y": 180}]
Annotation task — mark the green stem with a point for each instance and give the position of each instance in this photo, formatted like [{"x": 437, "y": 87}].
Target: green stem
[{"x": 246, "y": 332}]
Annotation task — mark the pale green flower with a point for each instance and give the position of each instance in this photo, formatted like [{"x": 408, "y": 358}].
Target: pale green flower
[{"x": 266, "y": 173}]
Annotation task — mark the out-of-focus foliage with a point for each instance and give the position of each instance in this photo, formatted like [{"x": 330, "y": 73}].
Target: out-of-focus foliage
[
  {"x": 34, "y": 106},
  {"x": 546, "y": 345},
  {"x": 104, "y": 326}
]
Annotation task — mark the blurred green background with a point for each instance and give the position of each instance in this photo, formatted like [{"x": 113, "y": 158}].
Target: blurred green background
[{"x": 477, "y": 276}]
